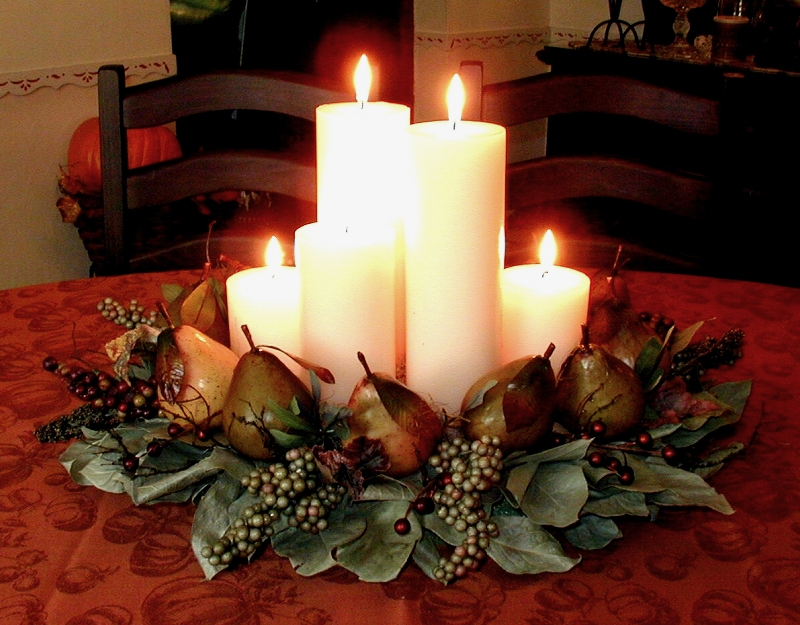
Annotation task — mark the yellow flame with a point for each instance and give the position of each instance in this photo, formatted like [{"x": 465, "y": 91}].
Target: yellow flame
[
  {"x": 362, "y": 79},
  {"x": 547, "y": 251},
  {"x": 274, "y": 253},
  {"x": 455, "y": 100}
]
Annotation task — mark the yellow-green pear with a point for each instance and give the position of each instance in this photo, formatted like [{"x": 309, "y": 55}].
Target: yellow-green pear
[
  {"x": 387, "y": 410},
  {"x": 514, "y": 403},
  {"x": 593, "y": 386},
  {"x": 261, "y": 382},
  {"x": 193, "y": 373}
]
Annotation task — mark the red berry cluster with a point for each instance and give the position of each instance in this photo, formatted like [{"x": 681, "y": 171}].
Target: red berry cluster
[
  {"x": 625, "y": 474},
  {"x": 102, "y": 391}
]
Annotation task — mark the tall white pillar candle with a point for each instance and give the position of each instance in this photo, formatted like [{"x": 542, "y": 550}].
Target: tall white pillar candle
[
  {"x": 543, "y": 304},
  {"x": 361, "y": 157},
  {"x": 347, "y": 300},
  {"x": 454, "y": 256},
  {"x": 267, "y": 300}
]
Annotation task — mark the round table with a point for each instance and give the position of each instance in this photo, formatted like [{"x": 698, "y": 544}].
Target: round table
[{"x": 71, "y": 554}]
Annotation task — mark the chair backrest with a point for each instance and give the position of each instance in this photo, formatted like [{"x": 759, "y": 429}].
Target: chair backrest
[
  {"x": 164, "y": 101},
  {"x": 566, "y": 177}
]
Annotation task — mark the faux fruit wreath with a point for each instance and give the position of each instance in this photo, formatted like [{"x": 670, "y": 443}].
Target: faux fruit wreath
[{"x": 620, "y": 431}]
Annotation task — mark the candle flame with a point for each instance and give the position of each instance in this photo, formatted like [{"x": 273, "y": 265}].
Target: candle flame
[
  {"x": 455, "y": 100},
  {"x": 547, "y": 251},
  {"x": 362, "y": 79},
  {"x": 274, "y": 253}
]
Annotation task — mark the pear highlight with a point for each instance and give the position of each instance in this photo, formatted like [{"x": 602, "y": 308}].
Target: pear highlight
[
  {"x": 262, "y": 386},
  {"x": 514, "y": 403},
  {"x": 385, "y": 409}
]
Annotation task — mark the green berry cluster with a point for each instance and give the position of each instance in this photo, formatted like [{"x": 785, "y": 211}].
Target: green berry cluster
[
  {"x": 466, "y": 468},
  {"x": 130, "y": 317},
  {"x": 291, "y": 489}
]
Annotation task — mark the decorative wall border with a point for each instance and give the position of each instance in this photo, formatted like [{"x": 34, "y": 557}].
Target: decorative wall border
[
  {"x": 495, "y": 39},
  {"x": 85, "y": 75}
]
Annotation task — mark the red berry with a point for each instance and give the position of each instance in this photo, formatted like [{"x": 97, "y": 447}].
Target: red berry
[
  {"x": 424, "y": 505},
  {"x": 445, "y": 479},
  {"x": 174, "y": 429},
  {"x": 154, "y": 448},
  {"x": 130, "y": 463},
  {"x": 625, "y": 475},
  {"x": 402, "y": 526},
  {"x": 613, "y": 464},
  {"x": 50, "y": 364},
  {"x": 644, "y": 440},
  {"x": 596, "y": 459},
  {"x": 597, "y": 428},
  {"x": 670, "y": 454},
  {"x": 202, "y": 435},
  {"x": 557, "y": 439}
]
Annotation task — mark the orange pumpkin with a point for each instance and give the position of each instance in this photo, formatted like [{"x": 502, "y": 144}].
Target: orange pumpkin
[{"x": 145, "y": 147}]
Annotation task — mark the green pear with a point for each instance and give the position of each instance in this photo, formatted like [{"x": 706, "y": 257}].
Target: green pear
[
  {"x": 385, "y": 409},
  {"x": 193, "y": 373},
  {"x": 593, "y": 386},
  {"x": 514, "y": 403},
  {"x": 261, "y": 383}
]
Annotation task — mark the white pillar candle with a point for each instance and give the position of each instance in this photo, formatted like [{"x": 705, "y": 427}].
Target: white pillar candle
[
  {"x": 267, "y": 300},
  {"x": 361, "y": 157},
  {"x": 454, "y": 255},
  {"x": 348, "y": 304},
  {"x": 543, "y": 304}
]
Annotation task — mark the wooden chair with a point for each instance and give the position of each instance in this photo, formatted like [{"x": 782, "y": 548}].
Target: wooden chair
[
  {"x": 286, "y": 174},
  {"x": 661, "y": 211}
]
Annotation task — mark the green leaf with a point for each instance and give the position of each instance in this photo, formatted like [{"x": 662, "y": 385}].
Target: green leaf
[
  {"x": 380, "y": 553},
  {"x": 171, "y": 292},
  {"x": 447, "y": 533},
  {"x": 592, "y": 532},
  {"x": 556, "y": 494},
  {"x": 671, "y": 486},
  {"x": 574, "y": 450},
  {"x": 221, "y": 505},
  {"x": 290, "y": 419},
  {"x": 525, "y": 547},
  {"x": 613, "y": 502},
  {"x": 384, "y": 488},
  {"x": 426, "y": 554},
  {"x": 477, "y": 399},
  {"x": 682, "y": 338},
  {"x": 287, "y": 441}
]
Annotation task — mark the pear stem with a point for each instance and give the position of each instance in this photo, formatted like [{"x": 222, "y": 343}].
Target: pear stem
[
  {"x": 549, "y": 351},
  {"x": 249, "y": 337},
  {"x": 585, "y": 336},
  {"x": 163, "y": 310},
  {"x": 362, "y": 359}
]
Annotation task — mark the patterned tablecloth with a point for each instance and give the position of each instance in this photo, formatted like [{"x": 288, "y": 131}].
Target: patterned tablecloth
[{"x": 72, "y": 554}]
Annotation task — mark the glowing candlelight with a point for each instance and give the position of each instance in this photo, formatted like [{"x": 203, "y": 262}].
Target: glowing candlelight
[
  {"x": 543, "y": 304},
  {"x": 362, "y": 78},
  {"x": 267, "y": 300}
]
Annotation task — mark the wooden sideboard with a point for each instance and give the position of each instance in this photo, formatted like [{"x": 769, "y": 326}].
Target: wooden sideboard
[{"x": 756, "y": 160}]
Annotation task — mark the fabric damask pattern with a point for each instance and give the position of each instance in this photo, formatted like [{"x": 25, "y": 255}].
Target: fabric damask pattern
[{"x": 74, "y": 555}]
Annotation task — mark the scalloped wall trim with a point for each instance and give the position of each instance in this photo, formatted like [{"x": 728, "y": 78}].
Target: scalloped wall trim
[
  {"x": 495, "y": 39},
  {"x": 23, "y": 83}
]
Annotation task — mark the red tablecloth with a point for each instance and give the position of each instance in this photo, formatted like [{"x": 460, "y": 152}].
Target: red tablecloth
[{"x": 72, "y": 554}]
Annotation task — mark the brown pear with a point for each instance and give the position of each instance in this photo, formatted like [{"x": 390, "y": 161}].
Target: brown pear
[
  {"x": 387, "y": 410},
  {"x": 193, "y": 373},
  {"x": 261, "y": 382},
  {"x": 514, "y": 403},
  {"x": 593, "y": 386}
]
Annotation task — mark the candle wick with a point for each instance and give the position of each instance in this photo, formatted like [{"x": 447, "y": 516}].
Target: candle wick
[
  {"x": 545, "y": 272},
  {"x": 454, "y": 125},
  {"x": 362, "y": 105}
]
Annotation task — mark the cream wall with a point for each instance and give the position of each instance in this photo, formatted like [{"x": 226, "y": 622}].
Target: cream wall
[
  {"x": 49, "y": 53},
  {"x": 503, "y": 34}
]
